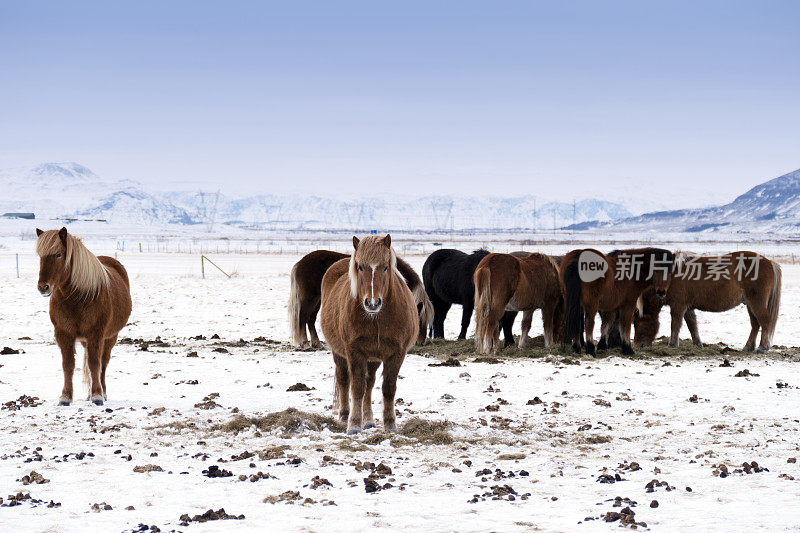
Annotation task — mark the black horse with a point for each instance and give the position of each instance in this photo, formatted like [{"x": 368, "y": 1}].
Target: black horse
[{"x": 447, "y": 276}]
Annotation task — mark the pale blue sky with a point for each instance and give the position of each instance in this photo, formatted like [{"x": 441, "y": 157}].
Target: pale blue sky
[{"x": 547, "y": 98}]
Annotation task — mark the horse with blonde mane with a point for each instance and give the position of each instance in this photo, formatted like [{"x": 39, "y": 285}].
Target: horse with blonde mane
[
  {"x": 504, "y": 282},
  {"x": 368, "y": 317},
  {"x": 716, "y": 284},
  {"x": 90, "y": 302},
  {"x": 305, "y": 296}
]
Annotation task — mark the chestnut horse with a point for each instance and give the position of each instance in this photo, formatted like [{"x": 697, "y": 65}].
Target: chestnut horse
[
  {"x": 610, "y": 284},
  {"x": 368, "y": 318},
  {"x": 503, "y": 283},
  {"x": 716, "y": 284},
  {"x": 306, "y": 291},
  {"x": 90, "y": 301}
]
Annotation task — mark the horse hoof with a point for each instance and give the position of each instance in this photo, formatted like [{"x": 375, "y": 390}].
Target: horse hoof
[
  {"x": 97, "y": 401},
  {"x": 353, "y": 431},
  {"x": 761, "y": 350},
  {"x": 64, "y": 402},
  {"x": 590, "y": 349},
  {"x": 390, "y": 427},
  {"x": 627, "y": 350},
  {"x": 602, "y": 345},
  {"x": 370, "y": 425}
]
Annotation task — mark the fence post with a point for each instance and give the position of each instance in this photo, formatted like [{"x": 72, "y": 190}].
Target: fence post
[
  {"x": 202, "y": 267},
  {"x": 18, "y": 265}
]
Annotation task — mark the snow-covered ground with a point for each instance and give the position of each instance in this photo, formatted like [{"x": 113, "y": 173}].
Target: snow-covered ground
[{"x": 595, "y": 420}]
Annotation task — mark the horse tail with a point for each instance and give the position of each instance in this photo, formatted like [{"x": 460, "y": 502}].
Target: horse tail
[
  {"x": 483, "y": 305},
  {"x": 774, "y": 302},
  {"x": 425, "y": 305},
  {"x": 87, "y": 373},
  {"x": 297, "y": 328},
  {"x": 573, "y": 319}
]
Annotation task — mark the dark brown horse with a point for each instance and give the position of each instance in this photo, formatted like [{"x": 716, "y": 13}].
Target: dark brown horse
[
  {"x": 90, "y": 301},
  {"x": 368, "y": 318},
  {"x": 716, "y": 284},
  {"x": 305, "y": 295},
  {"x": 610, "y": 284},
  {"x": 503, "y": 283}
]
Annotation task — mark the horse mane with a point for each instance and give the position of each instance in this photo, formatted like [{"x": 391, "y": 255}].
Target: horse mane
[
  {"x": 370, "y": 251},
  {"x": 483, "y": 251},
  {"x": 87, "y": 275}
]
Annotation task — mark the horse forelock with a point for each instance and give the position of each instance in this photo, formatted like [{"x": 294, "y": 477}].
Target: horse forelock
[{"x": 87, "y": 275}]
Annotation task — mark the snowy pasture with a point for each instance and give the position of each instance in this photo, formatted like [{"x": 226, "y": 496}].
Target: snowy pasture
[{"x": 550, "y": 443}]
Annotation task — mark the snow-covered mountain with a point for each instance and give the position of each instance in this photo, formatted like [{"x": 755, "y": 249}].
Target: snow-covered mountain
[
  {"x": 70, "y": 190},
  {"x": 427, "y": 213},
  {"x": 773, "y": 206}
]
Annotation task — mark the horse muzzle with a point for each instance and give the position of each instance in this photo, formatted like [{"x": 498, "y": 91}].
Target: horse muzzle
[
  {"x": 373, "y": 305},
  {"x": 44, "y": 289},
  {"x": 661, "y": 293}
]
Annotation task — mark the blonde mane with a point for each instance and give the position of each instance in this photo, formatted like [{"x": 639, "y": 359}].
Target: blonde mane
[
  {"x": 87, "y": 275},
  {"x": 370, "y": 251}
]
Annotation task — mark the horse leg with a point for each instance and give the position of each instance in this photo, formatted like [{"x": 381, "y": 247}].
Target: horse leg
[
  {"x": 762, "y": 316},
  {"x": 754, "y": 327},
  {"x": 440, "y": 309},
  {"x": 107, "y": 346},
  {"x": 625, "y": 321},
  {"x": 312, "y": 329},
  {"x": 606, "y": 321},
  {"x": 525, "y": 325},
  {"x": 589, "y": 327},
  {"x": 372, "y": 369},
  {"x": 549, "y": 323},
  {"x": 94, "y": 352},
  {"x": 676, "y": 317},
  {"x": 466, "y": 316},
  {"x": 391, "y": 368},
  {"x": 358, "y": 382},
  {"x": 507, "y": 324},
  {"x": 691, "y": 323},
  {"x": 66, "y": 344},
  {"x": 342, "y": 391}
]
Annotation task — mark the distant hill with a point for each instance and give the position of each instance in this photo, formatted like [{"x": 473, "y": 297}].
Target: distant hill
[
  {"x": 773, "y": 206},
  {"x": 70, "y": 190}
]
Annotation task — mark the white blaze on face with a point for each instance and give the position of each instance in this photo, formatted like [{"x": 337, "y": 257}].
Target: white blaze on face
[{"x": 372, "y": 284}]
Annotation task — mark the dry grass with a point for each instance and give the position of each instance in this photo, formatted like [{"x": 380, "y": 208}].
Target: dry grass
[
  {"x": 427, "y": 432},
  {"x": 290, "y": 420}
]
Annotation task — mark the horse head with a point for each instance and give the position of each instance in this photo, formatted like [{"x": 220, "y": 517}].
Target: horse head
[
  {"x": 372, "y": 265},
  {"x": 662, "y": 264},
  {"x": 51, "y": 247}
]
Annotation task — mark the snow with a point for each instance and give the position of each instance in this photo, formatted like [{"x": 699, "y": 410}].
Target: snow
[{"x": 735, "y": 419}]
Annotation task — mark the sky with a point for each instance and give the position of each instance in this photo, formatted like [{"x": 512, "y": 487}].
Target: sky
[{"x": 665, "y": 100}]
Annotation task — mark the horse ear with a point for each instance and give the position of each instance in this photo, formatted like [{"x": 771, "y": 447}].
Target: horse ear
[
  {"x": 355, "y": 242},
  {"x": 62, "y": 234},
  {"x": 387, "y": 241},
  {"x": 39, "y": 232}
]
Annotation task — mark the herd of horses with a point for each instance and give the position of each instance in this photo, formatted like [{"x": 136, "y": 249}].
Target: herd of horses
[{"x": 374, "y": 307}]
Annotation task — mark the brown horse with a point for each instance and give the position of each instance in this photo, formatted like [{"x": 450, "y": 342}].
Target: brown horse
[
  {"x": 306, "y": 292},
  {"x": 90, "y": 302},
  {"x": 504, "y": 282},
  {"x": 610, "y": 284},
  {"x": 368, "y": 318},
  {"x": 716, "y": 284}
]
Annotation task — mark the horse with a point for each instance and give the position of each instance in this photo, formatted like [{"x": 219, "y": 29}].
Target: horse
[
  {"x": 447, "y": 275},
  {"x": 716, "y": 284},
  {"x": 505, "y": 282},
  {"x": 368, "y": 317},
  {"x": 306, "y": 291},
  {"x": 610, "y": 284},
  {"x": 90, "y": 302}
]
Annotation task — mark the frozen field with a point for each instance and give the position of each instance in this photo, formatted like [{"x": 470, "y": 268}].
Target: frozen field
[{"x": 527, "y": 444}]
